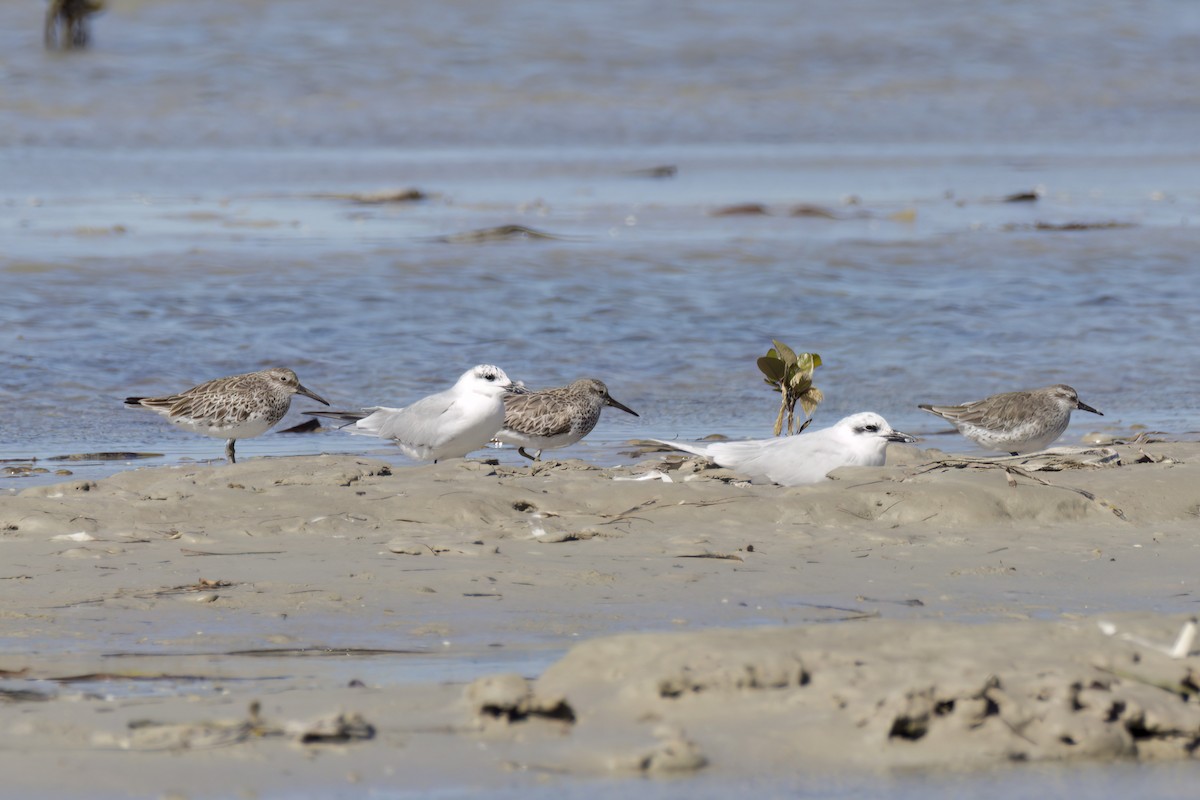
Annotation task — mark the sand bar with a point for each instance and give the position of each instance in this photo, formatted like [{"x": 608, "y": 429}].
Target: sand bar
[{"x": 341, "y": 621}]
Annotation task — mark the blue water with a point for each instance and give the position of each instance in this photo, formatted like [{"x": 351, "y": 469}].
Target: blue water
[{"x": 666, "y": 303}]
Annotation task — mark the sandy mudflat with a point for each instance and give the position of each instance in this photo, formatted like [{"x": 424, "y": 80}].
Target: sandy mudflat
[{"x": 323, "y": 623}]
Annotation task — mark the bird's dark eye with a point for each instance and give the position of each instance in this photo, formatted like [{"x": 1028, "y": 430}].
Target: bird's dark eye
[
  {"x": 489, "y": 377},
  {"x": 869, "y": 429}
]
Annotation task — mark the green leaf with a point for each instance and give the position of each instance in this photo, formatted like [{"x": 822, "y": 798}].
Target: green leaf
[
  {"x": 792, "y": 376},
  {"x": 786, "y": 353},
  {"x": 773, "y": 368}
]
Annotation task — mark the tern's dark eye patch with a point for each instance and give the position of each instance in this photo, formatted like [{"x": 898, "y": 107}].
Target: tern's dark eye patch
[{"x": 869, "y": 429}]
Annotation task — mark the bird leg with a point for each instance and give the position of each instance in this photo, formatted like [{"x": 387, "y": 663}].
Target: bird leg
[
  {"x": 538, "y": 457},
  {"x": 229, "y": 451}
]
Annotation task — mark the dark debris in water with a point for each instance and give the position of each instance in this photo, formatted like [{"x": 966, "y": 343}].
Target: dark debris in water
[
  {"x": 23, "y": 471},
  {"x": 104, "y": 456},
  {"x": 812, "y": 211},
  {"x": 741, "y": 210},
  {"x": 411, "y": 195},
  {"x": 164, "y": 677},
  {"x": 23, "y": 696},
  {"x": 661, "y": 171},
  {"x": 325, "y": 651},
  {"x": 498, "y": 234},
  {"x": 280, "y": 652},
  {"x": 1069, "y": 226},
  {"x": 799, "y": 211}
]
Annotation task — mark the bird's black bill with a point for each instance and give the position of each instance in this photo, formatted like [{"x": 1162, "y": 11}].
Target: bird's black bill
[
  {"x": 623, "y": 407},
  {"x": 312, "y": 394},
  {"x": 1085, "y": 407},
  {"x": 897, "y": 436}
]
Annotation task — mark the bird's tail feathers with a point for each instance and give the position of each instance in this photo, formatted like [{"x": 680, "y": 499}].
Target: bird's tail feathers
[
  {"x": 696, "y": 450},
  {"x": 159, "y": 404},
  {"x": 344, "y": 417}
]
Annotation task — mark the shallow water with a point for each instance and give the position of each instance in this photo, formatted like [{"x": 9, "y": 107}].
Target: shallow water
[{"x": 667, "y": 304}]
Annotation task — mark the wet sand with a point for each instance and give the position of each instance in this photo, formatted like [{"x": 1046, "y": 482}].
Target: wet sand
[{"x": 338, "y": 623}]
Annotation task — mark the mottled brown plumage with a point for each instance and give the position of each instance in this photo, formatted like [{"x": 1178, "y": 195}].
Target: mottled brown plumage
[
  {"x": 232, "y": 408},
  {"x": 553, "y": 418},
  {"x": 1015, "y": 422}
]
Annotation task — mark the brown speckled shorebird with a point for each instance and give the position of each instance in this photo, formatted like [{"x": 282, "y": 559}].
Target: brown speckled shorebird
[
  {"x": 552, "y": 418},
  {"x": 237, "y": 407},
  {"x": 1015, "y": 422}
]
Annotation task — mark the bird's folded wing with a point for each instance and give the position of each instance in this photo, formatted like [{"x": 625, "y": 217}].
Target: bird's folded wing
[
  {"x": 537, "y": 414},
  {"x": 1000, "y": 408},
  {"x": 972, "y": 412},
  {"x": 748, "y": 451},
  {"x": 200, "y": 406},
  {"x": 426, "y": 423},
  {"x": 790, "y": 461}
]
